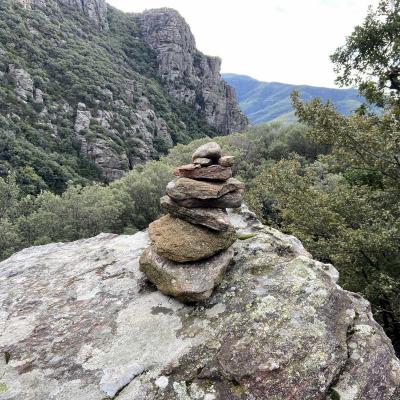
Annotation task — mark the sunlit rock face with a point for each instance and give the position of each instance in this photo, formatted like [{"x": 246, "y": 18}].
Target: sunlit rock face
[
  {"x": 190, "y": 76},
  {"x": 80, "y": 321}
]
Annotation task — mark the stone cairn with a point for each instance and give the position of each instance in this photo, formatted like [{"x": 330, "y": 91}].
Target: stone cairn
[{"x": 191, "y": 245}]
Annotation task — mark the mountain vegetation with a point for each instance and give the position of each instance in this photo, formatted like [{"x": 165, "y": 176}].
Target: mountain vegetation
[
  {"x": 268, "y": 101},
  {"x": 79, "y": 103},
  {"x": 132, "y": 202}
]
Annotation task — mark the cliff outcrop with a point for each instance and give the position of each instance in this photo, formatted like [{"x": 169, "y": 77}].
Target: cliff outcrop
[{"x": 189, "y": 75}]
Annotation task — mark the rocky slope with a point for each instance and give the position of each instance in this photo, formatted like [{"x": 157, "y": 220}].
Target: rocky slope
[
  {"x": 87, "y": 91},
  {"x": 80, "y": 321}
]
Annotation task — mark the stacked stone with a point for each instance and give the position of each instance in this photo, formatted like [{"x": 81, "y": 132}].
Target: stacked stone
[{"x": 191, "y": 245}]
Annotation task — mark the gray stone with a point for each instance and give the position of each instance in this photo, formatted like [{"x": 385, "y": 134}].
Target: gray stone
[
  {"x": 23, "y": 82},
  {"x": 188, "y": 282},
  {"x": 38, "y": 96},
  {"x": 227, "y": 161},
  {"x": 82, "y": 120},
  {"x": 213, "y": 218},
  {"x": 278, "y": 326},
  {"x": 230, "y": 200},
  {"x": 204, "y": 162},
  {"x": 210, "y": 150},
  {"x": 212, "y": 172},
  {"x": 115, "y": 379},
  {"x": 185, "y": 188}
]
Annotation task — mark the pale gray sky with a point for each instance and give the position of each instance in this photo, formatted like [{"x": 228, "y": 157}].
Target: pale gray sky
[{"x": 271, "y": 40}]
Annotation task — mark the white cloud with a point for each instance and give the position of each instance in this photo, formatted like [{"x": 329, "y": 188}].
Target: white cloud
[{"x": 271, "y": 40}]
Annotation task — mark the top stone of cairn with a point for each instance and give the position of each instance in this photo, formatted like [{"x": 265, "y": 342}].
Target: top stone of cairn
[{"x": 210, "y": 150}]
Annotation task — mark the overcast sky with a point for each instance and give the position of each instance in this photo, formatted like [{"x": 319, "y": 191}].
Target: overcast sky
[{"x": 271, "y": 40}]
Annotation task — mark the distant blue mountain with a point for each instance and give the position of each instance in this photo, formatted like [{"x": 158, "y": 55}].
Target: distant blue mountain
[{"x": 267, "y": 101}]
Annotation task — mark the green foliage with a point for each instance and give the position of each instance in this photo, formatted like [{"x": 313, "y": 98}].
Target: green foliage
[
  {"x": 370, "y": 57},
  {"x": 345, "y": 206},
  {"x": 131, "y": 202}
]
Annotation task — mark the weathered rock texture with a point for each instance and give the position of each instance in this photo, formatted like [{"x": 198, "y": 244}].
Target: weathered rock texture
[
  {"x": 95, "y": 10},
  {"x": 23, "y": 82},
  {"x": 181, "y": 241},
  {"x": 79, "y": 322},
  {"x": 229, "y": 200},
  {"x": 190, "y": 76},
  {"x": 186, "y": 188},
  {"x": 213, "y": 218},
  {"x": 189, "y": 282},
  {"x": 212, "y": 172}
]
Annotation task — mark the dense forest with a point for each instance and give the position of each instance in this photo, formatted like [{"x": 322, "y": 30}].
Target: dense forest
[{"x": 331, "y": 180}]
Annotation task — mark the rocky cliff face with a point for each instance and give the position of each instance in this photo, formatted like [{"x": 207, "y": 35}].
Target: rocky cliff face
[
  {"x": 95, "y": 10},
  {"x": 190, "y": 76},
  {"x": 80, "y": 321}
]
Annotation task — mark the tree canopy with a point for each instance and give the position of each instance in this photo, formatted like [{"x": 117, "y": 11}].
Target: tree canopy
[{"x": 370, "y": 58}]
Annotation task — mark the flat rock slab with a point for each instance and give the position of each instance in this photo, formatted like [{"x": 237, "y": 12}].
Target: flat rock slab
[
  {"x": 229, "y": 200},
  {"x": 213, "y": 218},
  {"x": 210, "y": 150},
  {"x": 213, "y": 172},
  {"x": 186, "y": 188},
  {"x": 79, "y": 320},
  {"x": 189, "y": 282},
  {"x": 186, "y": 167},
  {"x": 181, "y": 241}
]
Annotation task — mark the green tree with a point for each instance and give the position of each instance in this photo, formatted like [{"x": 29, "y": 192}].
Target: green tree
[
  {"x": 345, "y": 206},
  {"x": 370, "y": 57}
]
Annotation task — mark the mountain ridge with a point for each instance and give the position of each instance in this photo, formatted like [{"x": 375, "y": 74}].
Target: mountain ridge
[{"x": 266, "y": 101}]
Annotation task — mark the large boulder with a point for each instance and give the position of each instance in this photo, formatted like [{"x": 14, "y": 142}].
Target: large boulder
[
  {"x": 79, "y": 321},
  {"x": 181, "y": 241},
  {"x": 188, "y": 282},
  {"x": 213, "y": 218}
]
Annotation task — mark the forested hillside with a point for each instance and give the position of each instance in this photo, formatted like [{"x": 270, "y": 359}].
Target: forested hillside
[
  {"x": 84, "y": 95},
  {"x": 267, "y": 101}
]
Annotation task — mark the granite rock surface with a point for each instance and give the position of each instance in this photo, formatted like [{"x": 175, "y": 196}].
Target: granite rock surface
[{"x": 79, "y": 321}]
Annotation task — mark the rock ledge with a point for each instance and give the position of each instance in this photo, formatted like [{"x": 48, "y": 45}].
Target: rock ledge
[{"x": 79, "y": 321}]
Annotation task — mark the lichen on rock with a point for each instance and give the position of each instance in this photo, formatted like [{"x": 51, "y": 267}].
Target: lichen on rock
[{"x": 278, "y": 326}]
